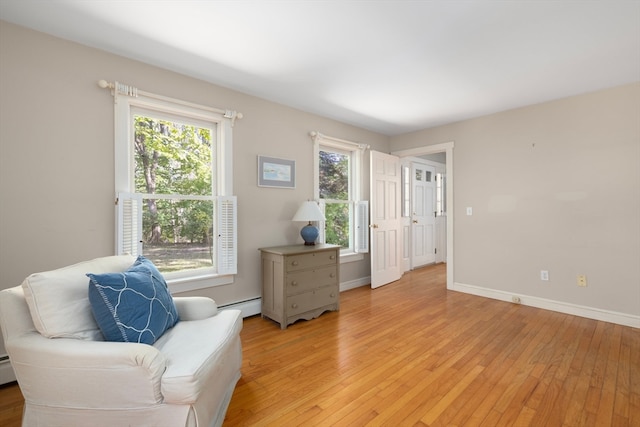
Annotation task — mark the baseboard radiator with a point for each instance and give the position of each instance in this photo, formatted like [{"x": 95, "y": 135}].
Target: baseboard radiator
[
  {"x": 249, "y": 307},
  {"x": 6, "y": 371}
]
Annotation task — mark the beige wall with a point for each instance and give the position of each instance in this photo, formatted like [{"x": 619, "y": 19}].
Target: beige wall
[
  {"x": 554, "y": 187},
  {"x": 57, "y": 166}
]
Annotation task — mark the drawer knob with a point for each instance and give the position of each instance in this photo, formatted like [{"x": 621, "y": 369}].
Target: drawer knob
[
  {"x": 332, "y": 275},
  {"x": 294, "y": 263},
  {"x": 294, "y": 283},
  {"x": 332, "y": 257},
  {"x": 294, "y": 305},
  {"x": 332, "y": 295}
]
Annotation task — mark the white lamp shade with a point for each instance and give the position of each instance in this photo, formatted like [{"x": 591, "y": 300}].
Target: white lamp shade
[{"x": 308, "y": 211}]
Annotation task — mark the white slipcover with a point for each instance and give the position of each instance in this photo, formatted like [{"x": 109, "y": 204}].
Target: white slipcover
[{"x": 185, "y": 379}]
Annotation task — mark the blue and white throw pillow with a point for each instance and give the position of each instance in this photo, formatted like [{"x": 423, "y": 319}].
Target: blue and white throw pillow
[{"x": 134, "y": 305}]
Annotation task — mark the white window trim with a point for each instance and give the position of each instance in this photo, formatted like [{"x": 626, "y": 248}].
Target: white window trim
[
  {"x": 127, "y": 98},
  {"x": 359, "y": 206}
]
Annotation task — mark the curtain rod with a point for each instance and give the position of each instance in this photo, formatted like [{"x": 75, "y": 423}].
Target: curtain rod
[
  {"x": 315, "y": 135},
  {"x": 124, "y": 89}
]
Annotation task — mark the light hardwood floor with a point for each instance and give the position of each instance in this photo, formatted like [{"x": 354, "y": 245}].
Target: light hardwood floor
[{"x": 414, "y": 354}]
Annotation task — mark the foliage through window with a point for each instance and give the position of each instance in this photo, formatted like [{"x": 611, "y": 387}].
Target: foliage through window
[
  {"x": 334, "y": 191},
  {"x": 174, "y": 158},
  {"x": 337, "y": 170}
]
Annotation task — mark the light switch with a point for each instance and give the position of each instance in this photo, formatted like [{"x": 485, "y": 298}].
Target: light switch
[{"x": 469, "y": 211}]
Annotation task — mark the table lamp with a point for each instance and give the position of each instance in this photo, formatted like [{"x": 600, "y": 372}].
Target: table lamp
[{"x": 309, "y": 211}]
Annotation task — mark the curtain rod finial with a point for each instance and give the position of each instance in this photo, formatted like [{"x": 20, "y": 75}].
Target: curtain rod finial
[
  {"x": 314, "y": 136},
  {"x": 103, "y": 84}
]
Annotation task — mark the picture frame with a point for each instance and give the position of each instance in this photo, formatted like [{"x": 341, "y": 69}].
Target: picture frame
[{"x": 275, "y": 172}]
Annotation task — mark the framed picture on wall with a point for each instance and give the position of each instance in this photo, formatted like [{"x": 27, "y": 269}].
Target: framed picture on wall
[{"x": 274, "y": 172}]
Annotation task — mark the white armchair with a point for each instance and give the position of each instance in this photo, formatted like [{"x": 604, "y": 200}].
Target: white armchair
[{"x": 70, "y": 377}]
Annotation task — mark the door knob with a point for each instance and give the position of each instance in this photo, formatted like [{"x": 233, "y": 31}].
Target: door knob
[{"x": 415, "y": 221}]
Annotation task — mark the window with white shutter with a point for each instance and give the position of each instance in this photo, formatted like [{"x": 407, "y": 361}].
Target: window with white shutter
[
  {"x": 338, "y": 188},
  {"x": 174, "y": 198}
]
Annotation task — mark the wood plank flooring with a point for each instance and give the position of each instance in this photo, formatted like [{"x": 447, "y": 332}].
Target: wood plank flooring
[
  {"x": 11, "y": 403},
  {"x": 414, "y": 354}
]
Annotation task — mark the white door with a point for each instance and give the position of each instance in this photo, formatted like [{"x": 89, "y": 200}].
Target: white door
[
  {"x": 386, "y": 237},
  {"x": 423, "y": 223}
]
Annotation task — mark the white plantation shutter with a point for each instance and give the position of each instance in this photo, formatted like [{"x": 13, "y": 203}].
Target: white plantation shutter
[
  {"x": 322, "y": 235},
  {"x": 129, "y": 224},
  {"x": 362, "y": 227},
  {"x": 227, "y": 253}
]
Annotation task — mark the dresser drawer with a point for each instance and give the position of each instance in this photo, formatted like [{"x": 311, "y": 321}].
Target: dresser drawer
[
  {"x": 302, "y": 281},
  {"x": 303, "y": 261},
  {"x": 311, "y": 300}
]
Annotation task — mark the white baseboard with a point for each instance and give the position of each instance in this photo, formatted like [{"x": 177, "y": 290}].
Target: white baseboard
[
  {"x": 254, "y": 306},
  {"x": 559, "y": 306},
  {"x": 352, "y": 284},
  {"x": 6, "y": 372}
]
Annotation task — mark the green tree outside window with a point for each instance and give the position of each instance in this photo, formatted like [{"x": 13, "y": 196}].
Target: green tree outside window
[
  {"x": 175, "y": 159},
  {"x": 334, "y": 189}
]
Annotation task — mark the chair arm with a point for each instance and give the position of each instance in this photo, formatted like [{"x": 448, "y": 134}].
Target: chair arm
[
  {"x": 195, "y": 308},
  {"x": 89, "y": 374}
]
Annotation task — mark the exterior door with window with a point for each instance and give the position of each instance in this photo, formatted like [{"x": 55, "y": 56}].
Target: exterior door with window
[
  {"x": 386, "y": 236},
  {"x": 423, "y": 224}
]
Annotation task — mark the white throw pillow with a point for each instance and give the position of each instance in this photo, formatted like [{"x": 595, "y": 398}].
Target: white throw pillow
[{"x": 58, "y": 299}]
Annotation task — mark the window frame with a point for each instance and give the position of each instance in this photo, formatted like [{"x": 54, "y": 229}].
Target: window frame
[
  {"x": 358, "y": 208},
  {"x": 125, "y": 108}
]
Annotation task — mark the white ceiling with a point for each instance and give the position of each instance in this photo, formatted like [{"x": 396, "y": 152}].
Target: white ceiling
[{"x": 388, "y": 66}]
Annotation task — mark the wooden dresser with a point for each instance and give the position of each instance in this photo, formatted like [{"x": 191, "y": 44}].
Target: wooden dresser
[{"x": 299, "y": 282}]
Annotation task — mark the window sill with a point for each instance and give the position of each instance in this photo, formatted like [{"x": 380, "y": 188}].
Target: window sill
[
  {"x": 193, "y": 283},
  {"x": 350, "y": 257}
]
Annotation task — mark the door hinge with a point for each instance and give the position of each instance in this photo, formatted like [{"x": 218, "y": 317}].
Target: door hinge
[{"x": 435, "y": 250}]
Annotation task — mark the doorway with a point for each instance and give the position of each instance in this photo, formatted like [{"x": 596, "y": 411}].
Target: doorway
[{"x": 446, "y": 148}]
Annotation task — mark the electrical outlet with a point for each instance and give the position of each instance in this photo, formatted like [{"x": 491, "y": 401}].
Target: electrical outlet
[
  {"x": 544, "y": 275},
  {"x": 582, "y": 280}
]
